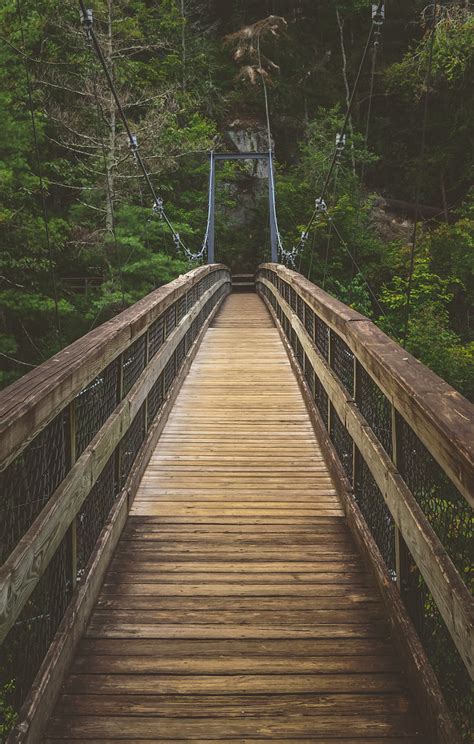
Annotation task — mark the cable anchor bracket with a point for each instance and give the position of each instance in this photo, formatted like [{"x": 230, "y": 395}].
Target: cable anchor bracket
[
  {"x": 320, "y": 205},
  {"x": 87, "y": 21},
  {"x": 133, "y": 145},
  {"x": 158, "y": 207}
]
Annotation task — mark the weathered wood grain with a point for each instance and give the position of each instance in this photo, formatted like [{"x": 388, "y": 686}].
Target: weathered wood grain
[
  {"x": 452, "y": 597},
  {"x": 441, "y": 417},
  {"x": 24, "y": 567},
  {"x": 236, "y": 605}
]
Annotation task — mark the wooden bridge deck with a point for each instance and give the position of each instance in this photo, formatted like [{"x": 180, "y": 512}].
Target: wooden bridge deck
[{"x": 236, "y": 606}]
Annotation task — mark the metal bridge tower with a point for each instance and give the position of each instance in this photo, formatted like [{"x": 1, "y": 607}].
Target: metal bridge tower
[{"x": 268, "y": 156}]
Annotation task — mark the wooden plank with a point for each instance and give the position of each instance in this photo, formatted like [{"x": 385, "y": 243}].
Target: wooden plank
[{"x": 236, "y": 582}]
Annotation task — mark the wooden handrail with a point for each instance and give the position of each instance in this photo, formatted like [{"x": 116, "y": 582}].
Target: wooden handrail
[
  {"x": 440, "y": 416},
  {"x": 20, "y": 573},
  {"x": 29, "y": 404},
  {"x": 449, "y": 591}
]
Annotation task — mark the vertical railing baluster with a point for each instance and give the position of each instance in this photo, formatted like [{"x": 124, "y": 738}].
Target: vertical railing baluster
[
  {"x": 118, "y": 449},
  {"x": 72, "y": 460},
  {"x": 401, "y": 555},
  {"x": 356, "y": 395},
  {"x": 330, "y": 362},
  {"x": 145, "y": 352}
]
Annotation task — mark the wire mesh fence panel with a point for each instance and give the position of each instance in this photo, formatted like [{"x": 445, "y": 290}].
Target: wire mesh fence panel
[
  {"x": 94, "y": 512},
  {"x": 439, "y": 647},
  {"x": 180, "y": 354},
  {"x": 300, "y": 307},
  {"x": 169, "y": 374},
  {"x": 131, "y": 443},
  {"x": 156, "y": 336},
  {"x": 94, "y": 404},
  {"x": 180, "y": 309},
  {"x": 446, "y": 509},
  {"x": 27, "y": 484},
  {"x": 342, "y": 442},
  {"x": 374, "y": 407},
  {"x": 309, "y": 321},
  {"x": 156, "y": 398},
  {"x": 342, "y": 362},
  {"x": 133, "y": 364},
  {"x": 27, "y": 642},
  {"x": 170, "y": 320},
  {"x": 322, "y": 338},
  {"x": 379, "y": 520}
]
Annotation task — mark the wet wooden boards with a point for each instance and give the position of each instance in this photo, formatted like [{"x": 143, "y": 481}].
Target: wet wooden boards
[{"x": 236, "y": 607}]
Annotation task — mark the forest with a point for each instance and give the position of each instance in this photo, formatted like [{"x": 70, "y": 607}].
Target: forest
[{"x": 80, "y": 240}]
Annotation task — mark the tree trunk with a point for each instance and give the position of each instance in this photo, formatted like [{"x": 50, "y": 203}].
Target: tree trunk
[
  {"x": 110, "y": 155},
  {"x": 340, "y": 24}
]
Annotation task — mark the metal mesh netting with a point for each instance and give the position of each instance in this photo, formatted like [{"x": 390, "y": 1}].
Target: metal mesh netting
[
  {"x": 446, "y": 509},
  {"x": 170, "y": 320},
  {"x": 342, "y": 442},
  {"x": 180, "y": 354},
  {"x": 156, "y": 336},
  {"x": 375, "y": 511},
  {"x": 191, "y": 297},
  {"x": 131, "y": 443},
  {"x": 309, "y": 321},
  {"x": 322, "y": 338},
  {"x": 444, "y": 657},
  {"x": 25, "y": 646},
  {"x": 169, "y": 373},
  {"x": 375, "y": 408},
  {"x": 27, "y": 484},
  {"x": 180, "y": 309},
  {"x": 133, "y": 364},
  {"x": 309, "y": 375},
  {"x": 94, "y": 512},
  {"x": 155, "y": 399},
  {"x": 300, "y": 304},
  {"x": 300, "y": 353},
  {"x": 342, "y": 362},
  {"x": 293, "y": 297},
  {"x": 94, "y": 405}
]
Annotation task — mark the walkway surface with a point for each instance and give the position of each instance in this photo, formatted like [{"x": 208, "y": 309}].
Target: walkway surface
[{"x": 236, "y": 607}]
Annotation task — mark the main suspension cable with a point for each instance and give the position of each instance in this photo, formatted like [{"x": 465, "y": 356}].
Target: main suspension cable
[
  {"x": 320, "y": 205},
  {"x": 158, "y": 208}
]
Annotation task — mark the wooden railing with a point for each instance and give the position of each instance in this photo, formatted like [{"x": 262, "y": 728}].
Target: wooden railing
[
  {"x": 405, "y": 461},
  {"x": 75, "y": 433}
]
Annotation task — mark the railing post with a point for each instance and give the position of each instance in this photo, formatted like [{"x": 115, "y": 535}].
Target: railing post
[
  {"x": 145, "y": 404},
  {"x": 354, "y": 448},
  {"x": 72, "y": 460},
  {"x": 330, "y": 362},
  {"x": 401, "y": 556},
  {"x": 118, "y": 450}
]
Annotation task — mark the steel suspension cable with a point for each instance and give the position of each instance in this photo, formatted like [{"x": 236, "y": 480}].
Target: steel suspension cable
[
  {"x": 421, "y": 162},
  {"x": 44, "y": 207},
  {"x": 320, "y": 200},
  {"x": 134, "y": 149}
]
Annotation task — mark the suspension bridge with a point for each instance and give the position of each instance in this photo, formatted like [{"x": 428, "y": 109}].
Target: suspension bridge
[{"x": 237, "y": 511}]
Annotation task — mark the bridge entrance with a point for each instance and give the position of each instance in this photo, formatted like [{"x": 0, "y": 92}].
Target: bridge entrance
[{"x": 216, "y": 156}]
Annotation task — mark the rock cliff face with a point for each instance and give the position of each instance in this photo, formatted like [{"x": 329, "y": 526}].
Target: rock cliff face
[{"x": 241, "y": 203}]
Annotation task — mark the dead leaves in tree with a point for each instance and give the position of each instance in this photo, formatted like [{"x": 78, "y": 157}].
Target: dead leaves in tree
[{"x": 246, "y": 44}]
